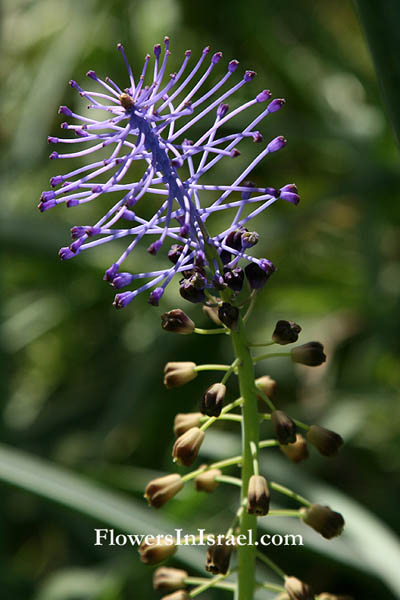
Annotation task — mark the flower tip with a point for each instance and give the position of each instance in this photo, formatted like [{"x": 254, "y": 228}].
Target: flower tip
[
  {"x": 52, "y": 140},
  {"x": 73, "y": 84},
  {"x": 206, "y": 50},
  {"x": 166, "y": 41},
  {"x": 233, "y": 65},
  {"x": 263, "y": 96},
  {"x": 235, "y": 152},
  {"x": 277, "y": 143},
  {"x": 64, "y": 110},
  {"x": 111, "y": 273},
  {"x": 188, "y": 52},
  {"x": 53, "y": 156},
  {"x": 249, "y": 75},
  {"x": 216, "y": 58},
  {"x": 66, "y": 253},
  {"x": 276, "y": 105},
  {"x": 157, "y": 50},
  {"x": 154, "y": 247},
  {"x": 123, "y": 299},
  {"x": 155, "y": 296},
  {"x": 54, "y": 181},
  {"x": 92, "y": 74}
]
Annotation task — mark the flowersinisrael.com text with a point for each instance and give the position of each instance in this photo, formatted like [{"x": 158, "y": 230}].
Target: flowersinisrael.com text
[{"x": 108, "y": 537}]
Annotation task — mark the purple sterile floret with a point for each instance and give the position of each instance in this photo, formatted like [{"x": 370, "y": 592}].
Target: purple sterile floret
[{"x": 159, "y": 138}]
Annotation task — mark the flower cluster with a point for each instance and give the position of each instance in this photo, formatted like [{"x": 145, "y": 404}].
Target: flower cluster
[{"x": 144, "y": 128}]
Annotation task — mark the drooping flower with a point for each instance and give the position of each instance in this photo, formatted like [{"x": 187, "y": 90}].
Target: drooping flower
[{"x": 145, "y": 133}]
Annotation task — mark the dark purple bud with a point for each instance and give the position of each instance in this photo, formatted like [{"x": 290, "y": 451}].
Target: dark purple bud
[
  {"x": 327, "y": 442},
  {"x": 272, "y": 192},
  {"x": 324, "y": 520},
  {"x": 97, "y": 189},
  {"x": 218, "y": 557},
  {"x": 235, "y": 152},
  {"x": 52, "y": 140},
  {"x": 184, "y": 230},
  {"x": 206, "y": 50},
  {"x": 92, "y": 74},
  {"x": 212, "y": 400},
  {"x": 166, "y": 42},
  {"x": 65, "y": 253},
  {"x": 233, "y": 65},
  {"x": 257, "y": 137},
  {"x": 234, "y": 238},
  {"x": 123, "y": 299},
  {"x": 73, "y": 84},
  {"x": 129, "y": 215},
  {"x": 284, "y": 427},
  {"x": 228, "y": 315},
  {"x": 310, "y": 354},
  {"x": 177, "y": 162},
  {"x": 290, "y": 187},
  {"x": 276, "y": 105},
  {"x": 121, "y": 280},
  {"x": 78, "y": 232},
  {"x": 234, "y": 278},
  {"x": 188, "y": 53},
  {"x": 216, "y": 58},
  {"x": 92, "y": 231},
  {"x": 64, "y": 110},
  {"x": 200, "y": 259},
  {"x": 155, "y": 296},
  {"x": 53, "y": 156},
  {"x": 54, "y": 181},
  {"x": 157, "y": 50},
  {"x": 154, "y": 247},
  {"x": 43, "y": 206},
  {"x": 222, "y": 110},
  {"x": 257, "y": 276},
  {"x": 72, "y": 202},
  {"x": 286, "y": 332},
  {"x": 225, "y": 256},
  {"x": 263, "y": 96},
  {"x": 249, "y": 239},
  {"x": 192, "y": 289},
  {"x": 177, "y": 321},
  {"x": 76, "y": 246},
  {"x": 276, "y": 144},
  {"x": 218, "y": 282},
  {"x": 290, "y": 197},
  {"x": 249, "y": 75},
  {"x": 64, "y": 125},
  {"x": 46, "y": 196},
  {"x": 174, "y": 253},
  {"x": 111, "y": 273}
]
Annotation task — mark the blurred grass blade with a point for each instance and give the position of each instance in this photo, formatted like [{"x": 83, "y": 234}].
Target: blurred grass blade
[
  {"x": 57, "y": 484},
  {"x": 380, "y": 21}
]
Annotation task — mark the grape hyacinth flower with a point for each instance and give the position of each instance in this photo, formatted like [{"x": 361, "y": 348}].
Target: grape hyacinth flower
[{"x": 145, "y": 129}]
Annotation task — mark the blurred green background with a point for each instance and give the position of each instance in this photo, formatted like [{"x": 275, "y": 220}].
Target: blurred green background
[{"x": 82, "y": 385}]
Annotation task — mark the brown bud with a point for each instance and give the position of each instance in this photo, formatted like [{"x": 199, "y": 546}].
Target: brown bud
[
  {"x": 160, "y": 490},
  {"x": 126, "y": 101},
  {"x": 177, "y": 321},
  {"x": 284, "y": 427},
  {"x": 180, "y": 595},
  {"x": 157, "y": 551},
  {"x": 324, "y": 520},
  {"x": 258, "y": 496},
  {"x": 286, "y": 332},
  {"x": 297, "y": 451},
  {"x": 298, "y": 590},
  {"x": 206, "y": 482},
  {"x": 310, "y": 354},
  {"x": 212, "y": 401},
  {"x": 179, "y": 373},
  {"x": 326, "y": 441},
  {"x": 187, "y": 446},
  {"x": 185, "y": 421},
  {"x": 212, "y": 313},
  {"x": 218, "y": 556},
  {"x": 228, "y": 314},
  {"x": 165, "y": 578}
]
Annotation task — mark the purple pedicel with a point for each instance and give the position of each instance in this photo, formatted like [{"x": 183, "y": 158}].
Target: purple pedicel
[{"x": 149, "y": 119}]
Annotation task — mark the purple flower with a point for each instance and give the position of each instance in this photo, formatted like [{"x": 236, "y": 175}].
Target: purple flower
[{"x": 143, "y": 128}]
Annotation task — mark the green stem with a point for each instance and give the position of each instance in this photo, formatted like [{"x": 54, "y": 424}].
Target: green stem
[
  {"x": 250, "y": 433},
  {"x": 285, "y": 512},
  {"x": 214, "y": 582},
  {"x": 211, "y": 331},
  {"x": 284, "y": 490},
  {"x": 270, "y": 355},
  {"x": 229, "y": 479},
  {"x": 212, "y": 368},
  {"x": 262, "y": 344}
]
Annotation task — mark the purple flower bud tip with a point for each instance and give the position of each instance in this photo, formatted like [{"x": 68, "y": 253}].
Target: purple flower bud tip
[
  {"x": 92, "y": 231},
  {"x": 77, "y": 232},
  {"x": 111, "y": 273},
  {"x": 53, "y": 156},
  {"x": 43, "y": 206},
  {"x": 65, "y": 253},
  {"x": 206, "y": 50},
  {"x": 91, "y": 74},
  {"x": 129, "y": 215},
  {"x": 222, "y": 110},
  {"x": 257, "y": 137},
  {"x": 64, "y": 125},
  {"x": 290, "y": 187},
  {"x": 276, "y": 105},
  {"x": 272, "y": 191},
  {"x": 75, "y": 246},
  {"x": 277, "y": 143},
  {"x": 216, "y": 57},
  {"x": 64, "y": 110},
  {"x": 72, "y": 202},
  {"x": 47, "y": 196},
  {"x": 188, "y": 52},
  {"x": 263, "y": 96},
  {"x": 120, "y": 47},
  {"x": 54, "y": 181},
  {"x": 155, "y": 296},
  {"x": 249, "y": 75},
  {"x": 235, "y": 152},
  {"x": 154, "y": 247},
  {"x": 73, "y": 84},
  {"x": 52, "y": 140},
  {"x": 97, "y": 189},
  {"x": 184, "y": 230},
  {"x": 123, "y": 299},
  {"x": 233, "y": 65},
  {"x": 157, "y": 50},
  {"x": 177, "y": 163},
  {"x": 81, "y": 132},
  {"x": 166, "y": 42},
  {"x": 266, "y": 265},
  {"x": 121, "y": 280},
  {"x": 290, "y": 197}
]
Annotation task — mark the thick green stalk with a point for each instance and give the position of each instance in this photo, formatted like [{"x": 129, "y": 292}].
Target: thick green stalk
[{"x": 250, "y": 433}]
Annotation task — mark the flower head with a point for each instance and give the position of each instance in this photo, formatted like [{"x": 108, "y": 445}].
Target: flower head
[{"x": 143, "y": 130}]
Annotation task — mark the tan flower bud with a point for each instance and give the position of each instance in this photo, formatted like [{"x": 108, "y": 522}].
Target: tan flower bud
[
  {"x": 324, "y": 520},
  {"x": 298, "y": 590},
  {"x": 326, "y": 596},
  {"x": 298, "y": 451},
  {"x": 185, "y": 421},
  {"x": 157, "y": 551},
  {"x": 326, "y": 441},
  {"x": 180, "y": 595},
  {"x": 179, "y": 373},
  {"x": 206, "y": 482},
  {"x": 258, "y": 496},
  {"x": 310, "y": 354},
  {"x": 165, "y": 578},
  {"x": 267, "y": 385},
  {"x": 212, "y": 401},
  {"x": 187, "y": 446},
  {"x": 212, "y": 313},
  {"x": 160, "y": 490},
  {"x": 177, "y": 321},
  {"x": 284, "y": 427},
  {"x": 283, "y": 596},
  {"x": 286, "y": 332},
  {"x": 218, "y": 557}
]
